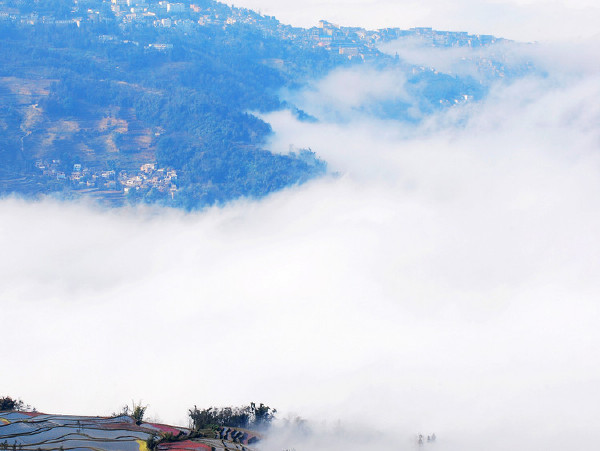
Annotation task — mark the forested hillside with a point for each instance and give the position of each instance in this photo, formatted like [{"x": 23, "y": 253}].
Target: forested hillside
[{"x": 130, "y": 100}]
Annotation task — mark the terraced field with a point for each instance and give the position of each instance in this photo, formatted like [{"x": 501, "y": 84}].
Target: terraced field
[
  {"x": 94, "y": 136},
  {"x": 37, "y": 431}
]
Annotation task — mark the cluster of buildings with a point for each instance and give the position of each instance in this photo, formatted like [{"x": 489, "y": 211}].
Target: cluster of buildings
[
  {"x": 352, "y": 42},
  {"x": 358, "y": 42},
  {"x": 346, "y": 41},
  {"x": 148, "y": 12},
  {"x": 164, "y": 14},
  {"x": 149, "y": 176},
  {"x": 434, "y": 37},
  {"x": 35, "y": 18}
]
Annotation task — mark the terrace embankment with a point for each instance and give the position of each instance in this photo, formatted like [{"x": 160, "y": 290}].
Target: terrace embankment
[{"x": 38, "y": 431}]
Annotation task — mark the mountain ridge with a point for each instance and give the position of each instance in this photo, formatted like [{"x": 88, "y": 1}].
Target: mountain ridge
[{"x": 146, "y": 101}]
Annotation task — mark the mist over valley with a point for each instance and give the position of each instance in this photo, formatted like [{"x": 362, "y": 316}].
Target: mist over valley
[{"x": 388, "y": 237}]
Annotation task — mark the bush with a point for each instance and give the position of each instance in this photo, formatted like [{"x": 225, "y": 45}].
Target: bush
[
  {"x": 136, "y": 411},
  {"x": 152, "y": 442}
]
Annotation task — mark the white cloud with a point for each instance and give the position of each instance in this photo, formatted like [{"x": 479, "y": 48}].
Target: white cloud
[
  {"x": 465, "y": 61},
  {"x": 343, "y": 94},
  {"x": 445, "y": 281}
]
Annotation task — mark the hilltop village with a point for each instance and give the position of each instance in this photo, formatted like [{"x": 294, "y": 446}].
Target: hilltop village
[
  {"x": 353, "y": 42},
  {"x": 149, "y": 176}
]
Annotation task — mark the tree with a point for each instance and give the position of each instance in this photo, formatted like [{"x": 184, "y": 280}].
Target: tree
[
  {"x": 263, "y": 415},
  {"x": 7, "y": 403}
]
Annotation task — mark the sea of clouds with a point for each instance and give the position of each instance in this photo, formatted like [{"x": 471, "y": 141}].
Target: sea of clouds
[{"x": 443, "y": 278}]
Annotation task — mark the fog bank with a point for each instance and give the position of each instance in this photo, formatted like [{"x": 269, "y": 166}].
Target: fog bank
[{"x": 443, "y": 280}]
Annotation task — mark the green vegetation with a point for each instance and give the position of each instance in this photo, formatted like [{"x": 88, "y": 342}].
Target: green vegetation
[
  {"x": 136, "y": 411},
  {"x": 152, "y": 442},
  {"x": 190, "y": 101},
  {"x": 247, "y": 417},
  {"x": 86, "y": 83},
  {"x": 240, "y": 425},
  {"x": 166, "y": 437},
  {"x": 8, "y": 403}
]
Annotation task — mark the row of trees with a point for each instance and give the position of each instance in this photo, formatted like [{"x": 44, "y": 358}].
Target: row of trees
[
  {"x": 207, "y": 422},
  {"x": 252, "y": 416},
  {"x": 248, "y": 417}
]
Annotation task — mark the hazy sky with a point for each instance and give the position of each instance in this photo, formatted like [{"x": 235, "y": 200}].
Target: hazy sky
[
  {"x": 445, "y": 279},
  {"x": 530, "y": 20}
]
